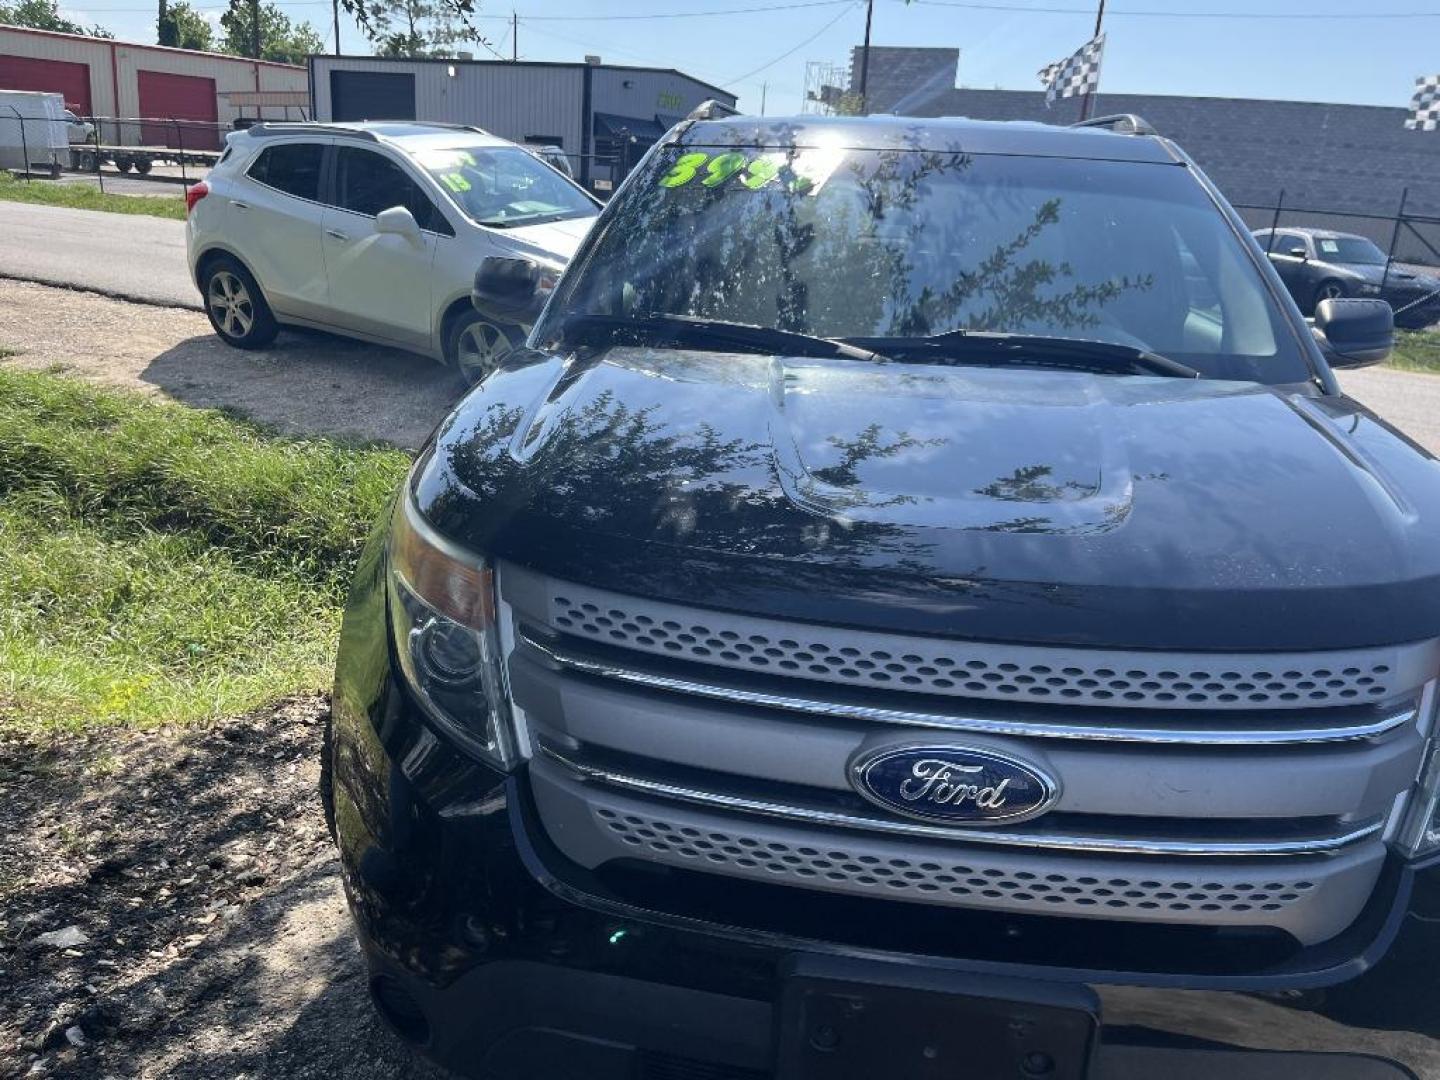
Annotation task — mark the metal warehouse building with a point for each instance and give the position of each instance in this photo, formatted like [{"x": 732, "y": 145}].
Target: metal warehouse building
[
  {"x": 99, "y": 77},
  {"x": 603, "y": 116}
]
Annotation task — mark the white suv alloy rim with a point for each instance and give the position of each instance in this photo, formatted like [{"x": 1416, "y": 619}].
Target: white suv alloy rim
[
  {"x": 481, "y": 347},
  {"x": 230, "y": 304}
]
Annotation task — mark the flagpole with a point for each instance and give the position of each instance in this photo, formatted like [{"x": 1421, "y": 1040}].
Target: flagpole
[{"x": 1085, "y": 101}]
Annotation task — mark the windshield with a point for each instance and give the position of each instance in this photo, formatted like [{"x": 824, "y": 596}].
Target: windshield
[
  {"x": 904, "y": 244},
  {"x": 504, "y": 186},
  {"x": 1349, "y": 249}
]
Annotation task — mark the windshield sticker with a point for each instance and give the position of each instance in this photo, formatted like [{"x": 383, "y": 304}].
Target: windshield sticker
[
  {"x": 455, "y": 181},
  {"x": 1329, "y": 246},
  {"x": 751, "y": 173}
]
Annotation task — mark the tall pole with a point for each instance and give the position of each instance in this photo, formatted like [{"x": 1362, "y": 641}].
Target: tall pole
[
  {"x": 255, "y": 29},
  {"x": 514, "y": 36},
  {"x": 764, "y": 89},
  {"x": 335, "y": 17},
  {"x": 865, "y": 59},
  {"x": 1085, "y": 101}
]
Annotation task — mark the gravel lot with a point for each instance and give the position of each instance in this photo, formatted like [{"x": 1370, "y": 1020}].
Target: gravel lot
[
  {"x": 201, "y": 927},
  {"x": 309, "y": 383}
]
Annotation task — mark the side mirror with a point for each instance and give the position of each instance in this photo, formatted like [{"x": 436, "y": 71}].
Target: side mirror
[
  {"x": 1355, "y": 333},
  {"x": 508, "y": 289},
  {"x": 398, "y": 221},
  {"x": 1296, "y": 252}
]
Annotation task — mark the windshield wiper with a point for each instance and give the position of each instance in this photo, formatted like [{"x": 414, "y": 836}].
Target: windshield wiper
[
  {"x": 587, "y": 326},
  {"x": 987, "y": 347}
]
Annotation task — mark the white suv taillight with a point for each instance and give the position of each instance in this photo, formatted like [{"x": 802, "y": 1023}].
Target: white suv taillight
[{"x": 194, "y": 193}]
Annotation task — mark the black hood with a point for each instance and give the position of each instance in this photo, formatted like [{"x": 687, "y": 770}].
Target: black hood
[{"x": 996, "y": 504}]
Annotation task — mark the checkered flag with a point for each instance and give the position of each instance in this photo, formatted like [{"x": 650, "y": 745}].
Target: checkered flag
[
  {"x": 1076, "y": 74},
  {"x": 1425, "y": 105}
]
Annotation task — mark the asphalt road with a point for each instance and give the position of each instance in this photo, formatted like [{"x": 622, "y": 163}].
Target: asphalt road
[{"x": 130, "y": 257}]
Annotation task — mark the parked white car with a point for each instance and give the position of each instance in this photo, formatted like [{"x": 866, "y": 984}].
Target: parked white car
[
  {"x": 77, "y": 130},
  {"x": 375, "y": 231}
]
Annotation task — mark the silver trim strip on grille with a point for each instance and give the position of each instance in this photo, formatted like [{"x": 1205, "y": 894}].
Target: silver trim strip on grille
[
  {"x": 1238, "y": 736},
  {"x": 1313, "y": 846}
]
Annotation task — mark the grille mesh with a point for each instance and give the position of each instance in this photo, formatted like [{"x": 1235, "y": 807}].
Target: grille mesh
[
  {"x": 1062, "y": 676},
  {"x": 973, "y": 883}
]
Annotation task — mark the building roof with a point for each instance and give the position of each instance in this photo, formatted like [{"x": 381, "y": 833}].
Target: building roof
[
  {"x": 524, "y": 64},
  {"x": 153, "y": 48},
  {"x": 943, "y": 134}
]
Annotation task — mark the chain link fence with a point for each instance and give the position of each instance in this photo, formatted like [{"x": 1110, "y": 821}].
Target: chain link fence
[
  {"x": 1406, "y": 270},
  {"x": 122, "y": 153}
]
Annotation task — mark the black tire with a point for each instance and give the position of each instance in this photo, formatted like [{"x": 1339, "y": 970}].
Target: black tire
[
  {"x": 327, "y": 775},
  {"x": 123, "y": 164},
  {"x": 1329, "y": 289},
  {"x": 235, "y": 305},
  {"x": 476, "y": 345},
  {"x": 143, "y": 166}
]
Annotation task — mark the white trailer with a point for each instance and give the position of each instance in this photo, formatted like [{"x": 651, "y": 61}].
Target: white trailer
[{"x": 34, "y": 132}]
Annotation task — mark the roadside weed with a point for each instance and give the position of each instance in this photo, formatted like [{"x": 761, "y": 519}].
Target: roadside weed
[{"x": 160, "y": 563}]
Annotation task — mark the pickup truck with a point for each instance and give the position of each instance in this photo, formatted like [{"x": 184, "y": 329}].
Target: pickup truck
[{"x": 919, "y": 606}]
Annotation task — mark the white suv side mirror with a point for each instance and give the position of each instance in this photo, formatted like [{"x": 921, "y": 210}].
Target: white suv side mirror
[{"x": 398, "y": 221}]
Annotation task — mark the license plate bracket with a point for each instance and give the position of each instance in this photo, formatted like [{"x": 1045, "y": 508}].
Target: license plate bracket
[{"x": 842, "y": 1019}]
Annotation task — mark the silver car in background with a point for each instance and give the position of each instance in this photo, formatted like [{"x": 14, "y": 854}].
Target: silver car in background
[{"x": 375, "y": 231}]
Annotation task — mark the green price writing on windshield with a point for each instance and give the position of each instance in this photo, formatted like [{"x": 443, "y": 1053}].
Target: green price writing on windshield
[
  {"x": 455, "y": 181},
  {"x": 750, "y": 173}
]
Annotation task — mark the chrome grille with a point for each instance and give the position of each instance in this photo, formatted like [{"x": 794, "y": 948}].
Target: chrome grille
[
  {"x": 1073, "y": 676},
  {"x": 978, "y": 878},
  {"x": 721, "y": 742}
]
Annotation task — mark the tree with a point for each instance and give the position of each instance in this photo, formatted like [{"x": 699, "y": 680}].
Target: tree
[
  {"x": 45, "y": 15},
  {"x": 416, "y": 28},
  {"x": 182, "y": 27},
  {"x": 281, "y": 40},
  {"x": 379, "y": 18}
]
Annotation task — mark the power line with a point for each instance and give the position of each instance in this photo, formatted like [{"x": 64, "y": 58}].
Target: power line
[
  {"x": 684, "y": 14},
  {"x": 851, "y": 6},
  {"x": 799, "y": 5},
  {"x": 1122, "y": 13}
]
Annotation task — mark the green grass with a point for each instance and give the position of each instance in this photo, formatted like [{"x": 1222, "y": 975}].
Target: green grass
[
  {"x": 1416, "y": 351},
  {"x": 164, "y": 564},
  {"x": 87, "y": 196}
]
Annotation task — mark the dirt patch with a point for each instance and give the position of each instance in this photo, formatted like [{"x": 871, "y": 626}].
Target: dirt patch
[
  {"x": 170, "y": 907},
  {"x": 307, "y": 383}
]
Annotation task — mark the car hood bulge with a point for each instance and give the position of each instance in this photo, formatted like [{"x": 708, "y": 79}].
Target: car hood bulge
[{"x": 994, "y": 503}]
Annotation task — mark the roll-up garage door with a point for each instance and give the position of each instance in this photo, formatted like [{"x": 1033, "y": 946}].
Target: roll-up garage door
[
  {"x": 165, "y": 96},
  {"x": 51, "y": 76},
  {"x": 372, "y": 95}
]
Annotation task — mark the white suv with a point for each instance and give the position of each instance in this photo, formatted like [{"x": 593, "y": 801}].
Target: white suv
[{"x": 375, "y": 231}]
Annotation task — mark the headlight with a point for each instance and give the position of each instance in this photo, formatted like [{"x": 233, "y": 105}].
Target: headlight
[
  {"x": 1368, "y": 290},
  {"x": 442, "y": 618}
]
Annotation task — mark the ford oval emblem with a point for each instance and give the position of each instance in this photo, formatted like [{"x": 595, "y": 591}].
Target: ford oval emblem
[{"x": 954, "y": 785}]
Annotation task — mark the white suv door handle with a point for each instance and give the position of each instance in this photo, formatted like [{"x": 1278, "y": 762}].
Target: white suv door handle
[
  {"x": 337, "y": 234},
  {"x": 239, "y": 205}
]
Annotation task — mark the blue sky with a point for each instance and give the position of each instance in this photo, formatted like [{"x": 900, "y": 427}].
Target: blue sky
[{"x": 1370, "y": 54}]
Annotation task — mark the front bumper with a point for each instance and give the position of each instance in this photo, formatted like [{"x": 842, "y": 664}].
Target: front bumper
[
  {"x": 498, "y": 956},
  {"x": 521, "y": 965}
]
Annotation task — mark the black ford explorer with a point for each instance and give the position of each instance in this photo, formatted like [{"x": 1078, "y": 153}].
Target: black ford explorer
[{"x": 921, "y": 607}]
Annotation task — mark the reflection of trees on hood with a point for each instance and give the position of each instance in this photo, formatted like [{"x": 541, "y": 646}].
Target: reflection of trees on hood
[{"x": 607, "y": 466}]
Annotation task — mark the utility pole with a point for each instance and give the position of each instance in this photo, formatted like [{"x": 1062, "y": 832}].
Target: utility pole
[
  {"x": 255, "y": 29},
  {"x": 514, "y": 37},
  {"x": 865, "y": 59},
  {"x": 335, "y": 18},
  {"x": 1085, "y": 101},
  {"x": 764, "y": 89}
]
